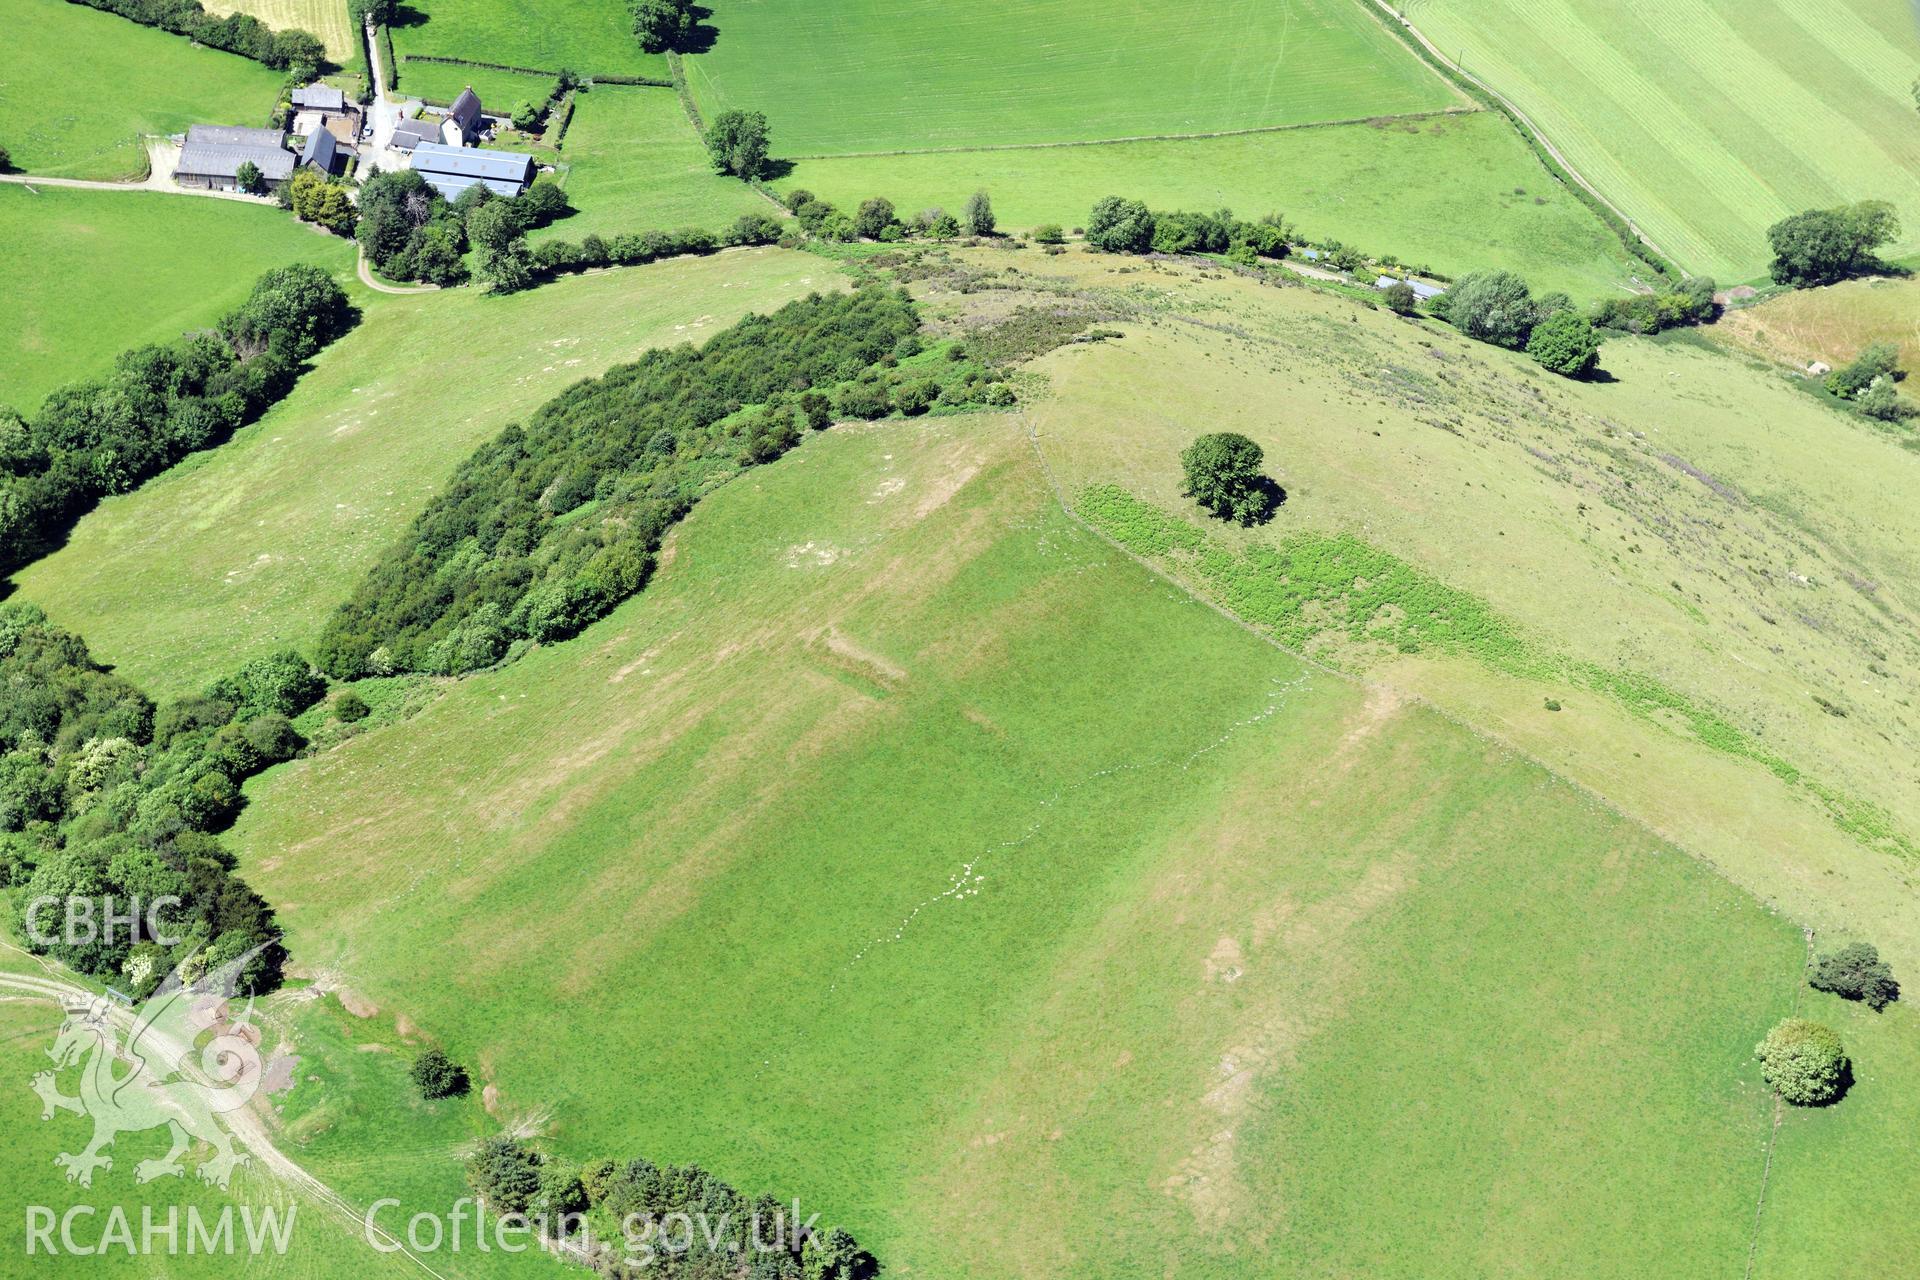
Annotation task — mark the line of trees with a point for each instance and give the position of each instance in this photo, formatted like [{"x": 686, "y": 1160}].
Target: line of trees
[
  {"x": 507, "y": 263},
  {"x": 1121, "y": 225},
  {"x": 551, "y": 524},
  {"x": 411, "y": 232},
  {"x": 110, "y": 801},
  {"x": 299, "y": 53},
  {"x": 677, "y": 1221},
  {"x": 1498, "y": 307},
  {"x": 159, "y": 404}
]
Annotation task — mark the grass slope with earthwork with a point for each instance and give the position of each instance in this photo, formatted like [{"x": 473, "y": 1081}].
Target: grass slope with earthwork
[
  {"x": 79, "y": 87},
  {"x": 1160, "y": 891},
  {"x": 89, "y": 274},
  {"x": 1708, "y": 120}
]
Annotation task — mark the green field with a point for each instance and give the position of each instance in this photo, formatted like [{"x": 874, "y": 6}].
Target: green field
[
  {"x": 1452, "y": 192},
  {"x": 858, "y": 75},
  {"x": 1224, "y": 988},
  {"x": 500, "y": 91},
  {"x": 636, "y": 164},
  {"x": 247, "y": 547},
  {"x": 88, "y": 274},
  {"x": 78, "y": 87},
  {"x": 1708, "y": 120},
  {"x": 593, "y": 37}
]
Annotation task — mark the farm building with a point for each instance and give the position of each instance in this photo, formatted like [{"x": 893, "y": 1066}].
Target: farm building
[
  {"x": 213, "y": 153},
  {"x": 452, "y": 170},
  {"x": 321, "y": 106},
  {"x": 1421, "y": 289},
  {"x": 464, "y": 122},
  {"x": 408, "y": 134},
  {"x": 322, "y": 152},
  {"x": 319, "y": 97}
]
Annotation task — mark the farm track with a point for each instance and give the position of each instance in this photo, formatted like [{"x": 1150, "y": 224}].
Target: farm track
[
  {"x": 1144, "y": 137},
  {"x": 246, "y": 1124},
  {"x": 1385, "y": 13}
]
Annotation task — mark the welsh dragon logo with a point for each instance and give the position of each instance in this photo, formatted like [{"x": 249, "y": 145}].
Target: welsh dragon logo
[{"x": 167, "y": 1080}]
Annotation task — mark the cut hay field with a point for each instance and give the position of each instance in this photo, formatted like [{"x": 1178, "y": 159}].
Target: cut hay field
[
  {"x": 245, "y": 548},
  {"x": 1708, "y": 120},
  {"x": 78, "y": 87},
  {"x": 1830, "y": 324},
  {"x": 636, "y": 164},
  {"x": 324, "y": 18},
  {"x": 593, "y": 37},
  {"x": 1453, "y": 192},
  {"x": 924, "y": 858},
  {"x": 860, "y": 75},
  {"x": 88, "y": 274}
]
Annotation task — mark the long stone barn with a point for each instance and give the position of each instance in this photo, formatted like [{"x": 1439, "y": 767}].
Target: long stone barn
[{"x": 213, "y": 154}]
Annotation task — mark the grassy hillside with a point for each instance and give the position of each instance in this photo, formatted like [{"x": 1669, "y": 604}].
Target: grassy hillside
[
  {"x": 1209, "y": 956},
  {"x": 1704, "y": 565},
  {"x": 860, "y": 76},
  {"x": 78, "y": 87},
  {"x": 247, "y": 547},
  {"x": 1454, "y": 192},
  {"x": 591, "y": 36},
  {"x": 1708, "y": 120},
  {"x": 636, "y": 164},
  {"x": 90, "y": 273}
]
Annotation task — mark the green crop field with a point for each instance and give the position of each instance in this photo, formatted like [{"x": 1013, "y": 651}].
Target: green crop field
[
  {"x": 255, "y": 541},
  {"x": 1229, "y": 957},
  {"x": 78, "y": 87},
  {"x": 324, "y": 18},
  {"x": 636, "y": 164},
  {"x": 593, "y": 37},
  {"x": 1708, "y": 120},
  {"x": 88, "y": 274},
  {"x": 1453, "y": 192},
  {"x": 859, "y": 75}
]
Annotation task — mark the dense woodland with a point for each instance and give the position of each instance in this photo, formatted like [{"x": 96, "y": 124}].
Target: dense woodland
[
  {"x": 159, "y": 404},
  {"x": 552, "y": 523},
  {"x": 107, "y": 799}
]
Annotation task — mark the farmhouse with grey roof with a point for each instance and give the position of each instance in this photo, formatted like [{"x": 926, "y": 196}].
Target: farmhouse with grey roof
[
  {"x": 464, "y": 120},
  {"x": 452, "y": 170},
  {"x": 213, "y": 154}
]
